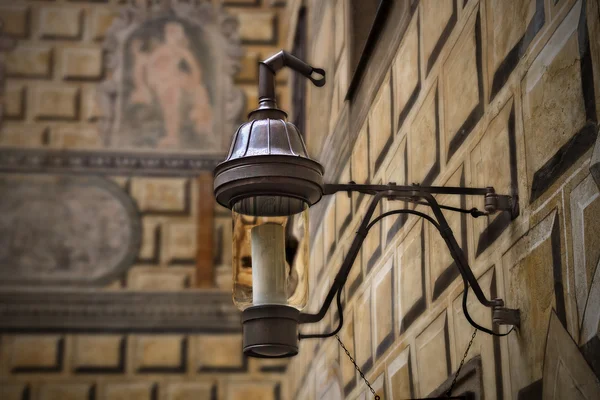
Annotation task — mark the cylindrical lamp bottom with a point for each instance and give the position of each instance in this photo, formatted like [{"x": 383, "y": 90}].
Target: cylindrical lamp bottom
[{"x": 270, "y": 331}]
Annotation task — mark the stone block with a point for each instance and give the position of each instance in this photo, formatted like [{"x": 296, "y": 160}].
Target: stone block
[
  {"x": 181, "y": 242},
  {"x": 514, "y": 26},
  {"x": 161, "y": 353},
  {"x": 433, "y": 355},
  {"x": 73, "y": 137},
  {"x": 13, "y": 391},
  {"x": 27, "y": 61},
  {"x": 36, "y": 353},
  {"x": 373, "y": 243},
  {"x": 585, "y": 228},
  {"x": 258, "y": 26},
  {"x": 22, "y": 135},
  {"x": 14, "y": 101},
  {"x": 567, "y": 375},
  {"x": 55, "y": 102},
  {"x": 329, "y": 230},
  {"x": 340, "y": 27},
  {"x": 153, "y": 278},
  {"x": 161, "y": 195},
  {"x": 463, "y": 86},
  {"x": 483, "y": 345},
  {"x": 66, "y": 391},
  {"x": 16, "y": 20},
  {"x": 400, "y": 376},
  {"x": 99, "y": 353},
  {"x": 362, "y": 329},
  {"x": 556, "y": 73},
  {"x": 343, "y": 205},
  {"x": 249, "y": 67},
  {"x": 380, "y": 125},
  {"x": 60, "y": 22},
  {"x": 219, "y": 353},
  {"x": 318, "y": 252},
  {"x": 189, "y": 390},
  {"x": 424, "y": 141},
  {"x": 82, "y": 63},
  {"x": 347, "y": 337},
  {"x": 151, "y": 241},
  {"x": 131, "y": 391},
  {"x": 383, "y": 308},
  {"x": 100, "y": 20},
  {"x": 443, "y": 270},
  {"x": 360, "y": 157},
  {"x": 396, "y": 172},
  {"x": 251, "y": 391},
  {"x": 438, "y": 19},
  {"x": 411, "y": 277},
  {"x": 406, "y": 73},
  {"x": 494, "y": 163},
  {"x": 90, "y": 105},
  {"x": 533, "y": 280}
]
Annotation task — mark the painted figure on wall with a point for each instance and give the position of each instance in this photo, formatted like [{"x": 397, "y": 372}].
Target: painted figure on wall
[
  {"x": 170, "y": 74},
  {"x": 167, "y": 101},
  {"x": 170, "y": 79}
]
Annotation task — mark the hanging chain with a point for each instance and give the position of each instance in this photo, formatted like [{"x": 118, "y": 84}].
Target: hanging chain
[
  {"x": 357, "y": 368},
  {"x": 449, "y": 392}
]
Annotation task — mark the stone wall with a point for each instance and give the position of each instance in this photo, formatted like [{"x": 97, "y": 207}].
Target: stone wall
[
  {"x": 459, "y": 93},
  {"x": 51, "y": 102}
]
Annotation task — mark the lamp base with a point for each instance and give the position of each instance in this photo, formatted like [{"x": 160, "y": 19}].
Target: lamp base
[{"x": 270, "y": 331}]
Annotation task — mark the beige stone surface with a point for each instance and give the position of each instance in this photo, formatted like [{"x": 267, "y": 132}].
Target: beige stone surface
[
  {"x": 343, "y": 203},
  {"x": 490, "y": 161},
  {"x": 55, "y": 102},
  {"x": 329, "y": 229},
  {"x": 439, "y": 255},
  {"x": 422, "y": 140},
  {"x": 257, "y": 25},
  {"x": 399, "y": 376},
  {"x": 164, "y": 351},
  {"x": 153, "y": 278},
  {"x": 181, "y": 242},
  {"x": 360, "y": 157},
  {"x": 249, "y": 66},
  {"x": 21, "y": 135},
  {"x": 129, "y": 391},
  {"x": 14, "y": 101},
  {"x": 340, "y": 27},
  {"x": 461, "y": 91},
  {"x": 15, "y": 18},
  {"x": 431, "y": 353},
  {"x": 34, "y": 352},
  {"x": 405, "y": 69},
  {"x": 81, "y": 63},
  {"x": 508, "y": 21},
  {"x": 72, "y": 137},
  {"x": 250, "y": 391},
  {"x": 29, "y": 61},
  {"x": 98, "y": 351},
  {"x": 189, "y": 391},
  {"x": 347, "y": 337},
  {"x": 100, "y": 20},
  {"x": 362, "y": 329},
  {"x": 383, "y": 299},
  {"x": 530, "y": 288},
  {"x": 162, "y": 194},
  {"x": 65, "y": 391},
  {"x": 553, "y": 109},
  {"x": 380, "y": 124},
  {"x": 59, "y": 22},
  {"x": 435, "y": 17},
  {"x": 11, "y": 391},
  {"x": 409, "y": 269},
  {"x": 219, "y": 351}
]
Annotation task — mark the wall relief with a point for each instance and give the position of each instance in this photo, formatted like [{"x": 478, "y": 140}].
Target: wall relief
[
  {"x": 65, "y": 230},
  {"x": 170, "y": 87}
]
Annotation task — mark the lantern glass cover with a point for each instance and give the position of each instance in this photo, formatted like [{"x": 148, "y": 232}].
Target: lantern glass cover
[{"x": 270, "y": 258}]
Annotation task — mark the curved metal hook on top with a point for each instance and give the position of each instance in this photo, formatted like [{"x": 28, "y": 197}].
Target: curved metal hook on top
[{"x": 269, "y": 67}]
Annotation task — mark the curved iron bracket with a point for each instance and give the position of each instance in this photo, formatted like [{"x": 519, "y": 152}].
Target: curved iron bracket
[{"x": 416, "y": 194}]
